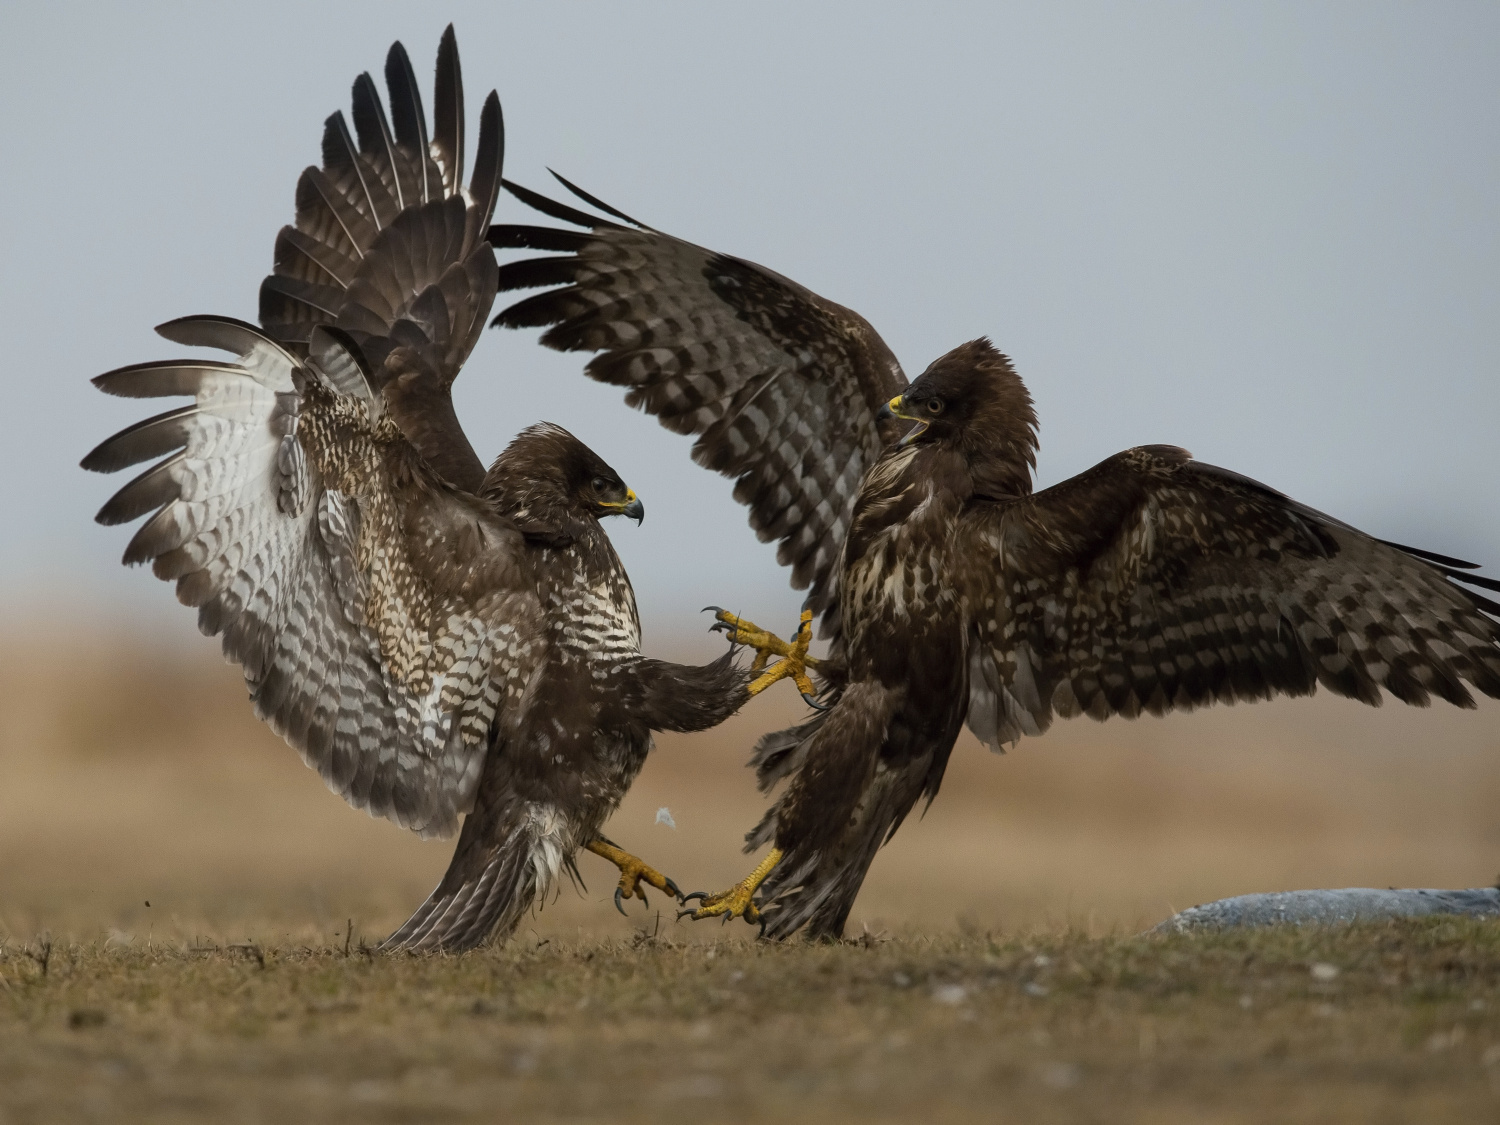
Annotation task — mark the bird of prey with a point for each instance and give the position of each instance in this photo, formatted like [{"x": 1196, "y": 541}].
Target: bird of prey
[
  {"x": 950, "y": 591},
  {"x": 435, "y": 638}
]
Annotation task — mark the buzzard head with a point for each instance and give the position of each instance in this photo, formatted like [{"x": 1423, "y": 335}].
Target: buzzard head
[
  {"x": 550, "y": 484},
  {"x": 972, "y": 401}
]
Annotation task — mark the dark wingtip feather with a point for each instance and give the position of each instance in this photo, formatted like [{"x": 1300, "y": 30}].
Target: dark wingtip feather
[
  {"x": 407, "y": 116},
  {"x": 147, "y": 492},
  {"x": 1432, "y": 556},
  {"x": 223, "y": 332},
  {"x": 538, "y": 311},
  {"x": 406, "y": 98},
  {"x": 374, "y": 132},
  {"x": 595, "y": 201},
  {"x": 341, "y": 153},
  {"x": 522, "y": 237},
  {"x": 154, "y": 437},
  {"x": 489, "y": 158},
  {"x": 159, "y": 380},
  {"x": 536, "y": 273},
  {"x": 448, "y": 112},
  {"x": 1487, "y": 604},
  {"x": 560, "y": 211},
  {"x": 1476, "y": 580}
]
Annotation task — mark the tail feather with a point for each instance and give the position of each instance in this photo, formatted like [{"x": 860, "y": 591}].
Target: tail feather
[
  {"x": 509, "y": 854},
  {"x": 829, "y": 843},
  {"x": 812, "y": 890},
  {"x": 814, "y": 896},
  {"x": 463, "y": 917}
]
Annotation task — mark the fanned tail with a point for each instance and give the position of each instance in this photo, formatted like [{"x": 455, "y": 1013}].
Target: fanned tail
[
  {"x": 510, "y": 854},
  {"x": 453, "y": 920}
]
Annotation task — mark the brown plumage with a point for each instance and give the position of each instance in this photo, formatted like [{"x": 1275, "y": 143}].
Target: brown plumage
[
  {"x": 433, "y": 638},
  {"x": 781, "y": 387},
  {"x": 1152, "y": 582}
]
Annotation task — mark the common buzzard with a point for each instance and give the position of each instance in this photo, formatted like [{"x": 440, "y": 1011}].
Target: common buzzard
[
  {"x": 951, "y": 592},
  {"x": 434, "y": 638}
]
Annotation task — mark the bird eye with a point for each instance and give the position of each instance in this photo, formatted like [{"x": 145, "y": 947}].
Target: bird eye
[
  {"x": 934, "y": 406},
  {"x": 599, "y": 484}
]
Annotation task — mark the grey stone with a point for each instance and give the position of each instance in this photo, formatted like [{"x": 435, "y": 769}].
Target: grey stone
[{"x": 1331, "y": 908}]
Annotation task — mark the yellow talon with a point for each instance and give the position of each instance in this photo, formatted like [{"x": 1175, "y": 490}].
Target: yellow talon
[
  {"x": 739, "y": 900},
  {"x": 794, "y": 660},
  {"x": 633, "y": 872}
]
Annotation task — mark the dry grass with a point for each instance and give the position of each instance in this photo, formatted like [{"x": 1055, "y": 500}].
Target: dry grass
[
  {"x": 1395, "y": 1023},
  {"x": 131, "y": 774}
]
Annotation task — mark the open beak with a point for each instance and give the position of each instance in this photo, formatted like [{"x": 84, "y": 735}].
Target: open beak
[
  {"x": 896, "y": 408},
  {"x": 631, "y": 506}
]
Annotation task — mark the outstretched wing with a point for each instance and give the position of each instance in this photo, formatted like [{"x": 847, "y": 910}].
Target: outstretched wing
[
  {"x": 389, "y": 246},
  {"x": 780, "y": 386},
  {"x": 1153, "y": 583},
  {"x": 381, "y": 617}
]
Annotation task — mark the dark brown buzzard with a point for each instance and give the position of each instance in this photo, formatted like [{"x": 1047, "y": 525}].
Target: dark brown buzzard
[
  {"x": 951, "y": 592},
  {"x": 433, "y": 638}
]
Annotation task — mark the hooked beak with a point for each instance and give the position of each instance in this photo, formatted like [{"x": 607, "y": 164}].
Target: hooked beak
[
  {"x": 634, "y": 509},
  {"x": 631, "y": 507},
  {"x": 896, "y": 408}
]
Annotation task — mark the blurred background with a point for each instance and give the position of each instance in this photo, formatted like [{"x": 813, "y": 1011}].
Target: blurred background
[{"x": 1267, "y": 232}]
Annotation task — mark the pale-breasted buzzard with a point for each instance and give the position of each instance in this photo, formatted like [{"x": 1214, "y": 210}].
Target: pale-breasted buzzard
[
  {"x": 434, "y": 638},
  {"x": 952, "y": 593}
]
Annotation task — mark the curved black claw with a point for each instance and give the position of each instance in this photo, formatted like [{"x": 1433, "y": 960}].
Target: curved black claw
[
  {"x": 812, "y": 702},
  {"x": 681, "y": 914},
  {"x": 694, "y": 894},
  {"x": 620, "y": 899},
  {"x": 671, "y": 886}
]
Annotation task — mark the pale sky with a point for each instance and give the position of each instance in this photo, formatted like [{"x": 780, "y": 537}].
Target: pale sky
[{"x": 1267, "y": 232}]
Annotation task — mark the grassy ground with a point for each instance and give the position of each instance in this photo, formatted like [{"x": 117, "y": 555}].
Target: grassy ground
[
  {"x": 132, "y": 775},
  {"x": 1392, "y": 1023}
]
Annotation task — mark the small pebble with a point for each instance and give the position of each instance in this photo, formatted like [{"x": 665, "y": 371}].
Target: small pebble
[{"x": 951, "y": 994}]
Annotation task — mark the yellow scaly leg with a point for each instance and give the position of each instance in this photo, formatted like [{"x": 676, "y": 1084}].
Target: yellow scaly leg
[
  {"x": 794, "y": 661},
  {"x": 738, "y": 900},
  {"x": 633, "y": 872}
]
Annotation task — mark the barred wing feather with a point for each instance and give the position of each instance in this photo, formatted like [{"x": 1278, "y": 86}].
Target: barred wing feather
[
  {"x": 1156, "y": 583},
  {"x": 780, "y": 386},
  {"x": 379, "y": 615}
]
